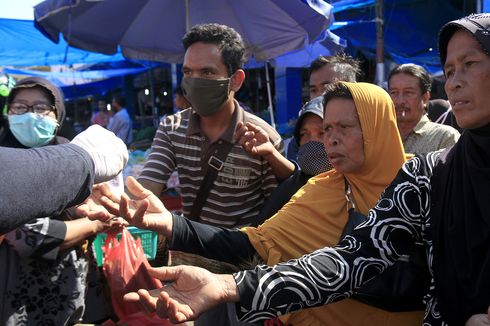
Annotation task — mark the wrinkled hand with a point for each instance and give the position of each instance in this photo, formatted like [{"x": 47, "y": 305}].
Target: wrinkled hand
[
  {"x": 253, "y": 139},
  {"x": 192, "y": 291},
  {"x": 92, "y": 207},
  {"x": 144, "y": 211},
  {"x": 479, "y": 320}
]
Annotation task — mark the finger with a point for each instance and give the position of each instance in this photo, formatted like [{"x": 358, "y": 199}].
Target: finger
[
  {"x": 111, "y": 206},
  {"x": 131, "y": 297},
  {"x": 162, "y": 306},
  {"x": 168, "y": 274},
  {"x": 100, "y": 215},
  {"x": 106, "y": 190},
  {"x": 141, "y": 208},
  {"x": 147, "y": 301},
  {"x": 240, "y": 130},
  {"x": 124, "y": 207},
  {"x": 173, "y": 311},
  {"x": 136, "y": 189}
]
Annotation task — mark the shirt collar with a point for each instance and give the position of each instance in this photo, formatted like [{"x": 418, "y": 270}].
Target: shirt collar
[{"x": 422, "y": 125}]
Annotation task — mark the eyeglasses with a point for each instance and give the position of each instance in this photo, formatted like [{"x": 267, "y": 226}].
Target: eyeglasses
[{"x": 40, "y": 108}]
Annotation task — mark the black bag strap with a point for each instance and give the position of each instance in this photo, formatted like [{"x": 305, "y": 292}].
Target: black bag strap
[{"x": 215, "y": 161}]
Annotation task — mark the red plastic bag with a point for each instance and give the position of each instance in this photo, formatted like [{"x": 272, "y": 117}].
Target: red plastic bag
[{"x": 126, "y": 270}]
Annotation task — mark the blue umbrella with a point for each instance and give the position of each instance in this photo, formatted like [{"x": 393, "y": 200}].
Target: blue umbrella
[{"x": 153, "y": 29}]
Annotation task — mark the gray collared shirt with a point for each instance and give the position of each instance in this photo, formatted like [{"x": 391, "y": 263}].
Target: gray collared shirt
[{"x": 428, "y": 136}]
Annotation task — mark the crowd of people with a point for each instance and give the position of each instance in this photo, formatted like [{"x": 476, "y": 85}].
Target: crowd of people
[{"x": 265, "y": 230}]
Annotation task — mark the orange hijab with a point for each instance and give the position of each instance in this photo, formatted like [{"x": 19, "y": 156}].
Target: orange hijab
[{"x": 316, "y": 214}]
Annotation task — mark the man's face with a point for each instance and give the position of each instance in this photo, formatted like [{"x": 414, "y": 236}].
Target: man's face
[
  {"x": 467, "y": 70},
  {"x": 203, "y": 60},
  {"x": 321, "y": 78},
  {"x": 407, "y": 96}
]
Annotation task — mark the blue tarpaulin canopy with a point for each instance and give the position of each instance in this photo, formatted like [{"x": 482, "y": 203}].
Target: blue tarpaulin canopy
[
  {"x": 23, "y": 45},
  {"x": 410, "y": 28}
]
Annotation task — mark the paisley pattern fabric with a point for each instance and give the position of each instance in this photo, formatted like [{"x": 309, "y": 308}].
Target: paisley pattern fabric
[{"x": 401, "y": 217}]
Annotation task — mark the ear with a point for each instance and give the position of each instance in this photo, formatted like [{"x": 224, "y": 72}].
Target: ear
[
  {"x": 425, "y": 98},
  {"x": 237, "y": 80}
]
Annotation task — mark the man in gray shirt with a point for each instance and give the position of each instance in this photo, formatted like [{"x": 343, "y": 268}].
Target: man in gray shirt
[{"x": 409, "y": 87}]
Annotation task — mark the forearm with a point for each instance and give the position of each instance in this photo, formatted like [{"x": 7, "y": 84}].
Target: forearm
[
  {"x": 230, "y": 288},
  {"x": 42, "y": 182},
  {"x": 281, "y": 166},
  {"x": 228, "y": 245},
  {"x": 78, "y": 230}
]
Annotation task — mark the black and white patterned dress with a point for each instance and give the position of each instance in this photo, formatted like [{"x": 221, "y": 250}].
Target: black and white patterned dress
[{"x": 401, "y": 217}]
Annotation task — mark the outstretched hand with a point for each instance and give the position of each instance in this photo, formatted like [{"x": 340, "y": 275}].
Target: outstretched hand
[
  {"x": 144, "y": 211},
  {"x": 92, "y": 207},
  {"x": 253, "y": 139},
  {"x": 191, "y": 291}
]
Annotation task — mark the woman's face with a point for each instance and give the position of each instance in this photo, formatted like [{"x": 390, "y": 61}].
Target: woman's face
[
  {"x": 311, "y": 129},
  {"x": 343, "y": 135},
  {"x": 31, "y": 96},
  {"x": 467, "y": 70}
]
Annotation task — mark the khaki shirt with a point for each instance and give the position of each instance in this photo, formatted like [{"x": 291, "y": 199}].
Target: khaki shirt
[{"x": 428, "y": 136}]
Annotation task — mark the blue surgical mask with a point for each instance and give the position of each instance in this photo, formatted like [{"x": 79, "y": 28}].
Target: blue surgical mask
[{"x": 31, "y": 129}]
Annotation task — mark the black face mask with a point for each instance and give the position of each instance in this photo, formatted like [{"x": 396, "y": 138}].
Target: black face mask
[
  {"x": 312, "y": 158},
  {"x": 206, "y": 96}
]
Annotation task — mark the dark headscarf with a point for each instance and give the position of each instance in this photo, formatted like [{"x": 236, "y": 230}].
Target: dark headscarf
[{"x": 460, "y": 206}]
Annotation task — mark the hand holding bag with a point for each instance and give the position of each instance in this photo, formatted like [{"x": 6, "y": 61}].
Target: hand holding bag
[{"x": 126, "y": 270}]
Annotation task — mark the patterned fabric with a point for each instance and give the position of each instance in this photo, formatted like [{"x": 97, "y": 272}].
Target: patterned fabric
[
  {"x": 330, "y": 274},
  {"x": 240, "y": 187},
  {"x": 428, "y": 136},
  {"x": 39, "y": 284}
]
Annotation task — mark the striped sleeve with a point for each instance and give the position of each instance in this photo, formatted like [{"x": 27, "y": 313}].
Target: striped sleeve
[{"x": 161, "y": 161}]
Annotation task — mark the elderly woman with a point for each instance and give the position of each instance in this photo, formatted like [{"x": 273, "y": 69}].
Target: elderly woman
[
  {"x": 356, "y": 117},
  {"x": 440, "y": 199},
  {"x": 43, "y": 267}
]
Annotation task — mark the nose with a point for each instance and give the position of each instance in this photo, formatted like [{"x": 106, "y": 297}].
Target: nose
[
  {"x": 398, "y": 99},
  {"x": 331, "y": 139},
  {"x": 453, "y": 83}
]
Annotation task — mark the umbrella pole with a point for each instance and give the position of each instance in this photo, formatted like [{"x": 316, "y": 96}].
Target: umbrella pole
[
  {"x": 187, "y": 20},
  {"x": 269, "y": 95},
  {"x": 154, "y": 108},
  {"x": 380, "y": 66}
]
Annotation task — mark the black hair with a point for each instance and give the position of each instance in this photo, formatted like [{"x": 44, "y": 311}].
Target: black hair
[
  {"x": 226, "y": 38},
  {"x": 416, "y": 71},
  {"x": 336, "y": 90},
  {"x": 119, "y": 99},
  {"x": 178, "y": 91},
  {"x": 346, "y": 67}
]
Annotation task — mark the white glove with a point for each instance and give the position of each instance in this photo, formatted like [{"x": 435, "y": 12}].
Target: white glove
[{"x": 108, "y": 152}]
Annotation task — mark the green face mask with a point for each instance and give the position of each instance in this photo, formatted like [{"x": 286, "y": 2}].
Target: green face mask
[{"x": 206, "y": 95}]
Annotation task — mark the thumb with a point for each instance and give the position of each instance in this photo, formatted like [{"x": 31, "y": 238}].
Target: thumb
[
  {"x": 136, "y": 189},
  {"x": 167, "y": 274}
]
